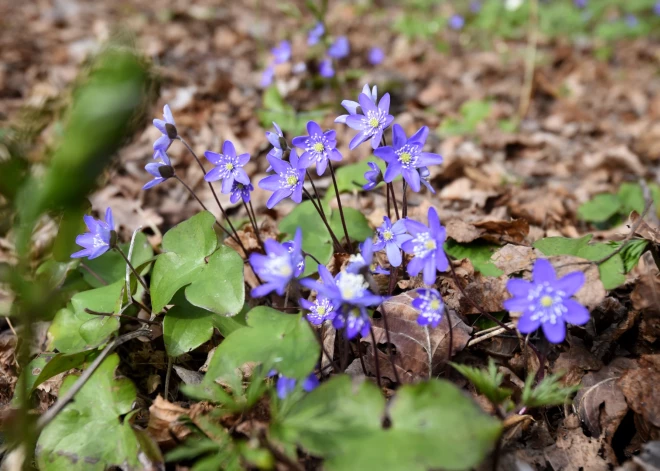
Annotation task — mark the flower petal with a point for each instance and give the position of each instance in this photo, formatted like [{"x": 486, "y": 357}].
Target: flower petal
[
  {"x": 398, "y": 136},
  {"x": 314, "y": 128},
  {"x": 575, "y": 313},
  {"x": 570, "y": 283},
  {"x": 366, "y": 104},
  {"x": 393, "y": 254},
  {"x": 358, "y": 139},
  {"x": 543, "y": 271},
  {"x": 229, "y": 149},
  {"x": 420, "y": 136},
  {"x": 527, "y": 325},
  {"x": 384, "y": 103},
  {"x": 555, "y": 333},
  {"x": 518, "y": 287},
  {"x": 213, "y": 157},
  {"x": 415, "y": 266}
]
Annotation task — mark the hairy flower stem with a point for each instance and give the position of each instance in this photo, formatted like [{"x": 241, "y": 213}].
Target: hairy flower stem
[
  {"x": 307, "y": 254},
  {"x": 389, "y": 209},
  {"x": 390, "y": 186},
  {"x": 404, "y": 210},
  {"x": 450, "y": 347},
  {"x": 130, "y": 265},
  {"x": 318, "y": 197},
  {"x": 222, "y": 210},
  {"x": 376, "y": 360},
  {"x": 256, "y": 226},
  {"x": 338, "y": 246},
  {"x": 364, "y": 368},
  {"x": 389, "y": 345},
  {"x": 253, "y": 222},
  {"x": 349, "y": 246}
]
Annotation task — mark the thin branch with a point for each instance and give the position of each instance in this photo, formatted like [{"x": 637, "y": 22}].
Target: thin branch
[{"x": 112, "y": 314}]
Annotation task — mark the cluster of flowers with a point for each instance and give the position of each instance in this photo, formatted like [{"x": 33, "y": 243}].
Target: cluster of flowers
[{"x": 337, "y": 49}]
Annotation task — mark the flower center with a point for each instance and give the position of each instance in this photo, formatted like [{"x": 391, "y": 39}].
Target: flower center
[
  {"x": 280, "y": 266},
  {"x": 435, "y": 304},
  {"x": 351, "y": 286},
  {"x": 387, "y": 235},
  {"x": 546, "y": 301},
  {"x": 229, "y": 166},
  {"x": 423, "y": 245},
  {"x": 292, "y": 180},
  {"x": 239, "y": 186},
  {"x": 318, "y": 147},
  {"x": 320, "y": 310},
  {"x": 405, "y": 158},
  {"x": 374, "y": 122},
  {"x": 429, "y": 245}
]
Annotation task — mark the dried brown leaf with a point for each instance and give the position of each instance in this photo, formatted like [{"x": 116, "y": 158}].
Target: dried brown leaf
[{"x": 641, "y": 387}]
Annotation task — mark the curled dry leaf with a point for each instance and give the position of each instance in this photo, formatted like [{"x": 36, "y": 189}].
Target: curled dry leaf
[
  {"x": 410, "y": 343},
  {"x": 601, "y": 404},
  {"x": 487, "y": 292},
  {"x": 165, "y": 425}
]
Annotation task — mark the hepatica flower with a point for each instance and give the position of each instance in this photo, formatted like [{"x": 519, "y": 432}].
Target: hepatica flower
[
  {"x": 98, "y": 240},
  {"x": 228, "y": 167},
  {"x": 297, "y": 257},
  {"x": 372, "y": 122},
  {"x": 426, "y": 246},
  {"x": 456, "y": 22},
  {"x": 239, "y": 191},
  {"x": 376, "y": 56},
  {"x": 546, "y": 301},
  {"x": 315, "y": 34},
  {"x": 317, "y": 147},
  {"x": 340, "y": 48},
  {"x": 430, "y": 306},
  {"x": 320, "y": 310},
  {"x": 278, "y": 267},
  {"x": 167, "y": 128},
  {"x": 282, "y": 52},
  {"x": 286, "y": 182},
  {"x": 355, "y": 319},
  {"x": 267, "y": 76},
  {"x": 352, "y": 106},
  {"x": 405, "y": 156},
  {"x": 345, "y": 288},
  {"x": 373, "y": 176},
  {"x": 161, "y": 171},
  {"x": 326, "y": 70},
  {"x": 285, "y": 385},
  {"x": 424, "y": 175},
  {"x": 391, "y": 238}
]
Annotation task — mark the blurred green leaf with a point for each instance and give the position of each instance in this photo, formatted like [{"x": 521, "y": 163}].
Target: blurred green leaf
[
  {"x": 356, "y": 224},
  {"x": 487, "y": 381},
  {"x": 601, "y": 208},
  {"x": 549, "y": 392},
  {"x": 351, "y": 177},
  {"x": 631, "y": 196},
  {"x": 478, "y": 252},
  {"x": 186, "y": 327}
]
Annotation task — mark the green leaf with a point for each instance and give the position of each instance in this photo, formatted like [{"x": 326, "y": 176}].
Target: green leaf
[
  {"x": 226, "y": 325},
  {"x": 632, "y": 252},
  {"x": 433, "y": 425},
  {"x": 351, "y": 177},
  {"x": 111, "y": 266},
  {"x": 70, "y": 226},
  {"x": 46, "y": 365},
  {"x": 281, "y": 341},
  {"x": 487, "y": 381},
  {"x": 478, "y": 252},
  {"x": 549, "y": 392},
  {"x": 612, "y": 273},
  {"x": 601, "y": 208},
  {"x": 356, "y": 224},
  {"x": 73, "y": 330},
  {"x": 91, "y": 433},
  {"x": 631, "y": 196},
  {"x": 213, "y": 280},
  {"x": 186, "y": 327}
]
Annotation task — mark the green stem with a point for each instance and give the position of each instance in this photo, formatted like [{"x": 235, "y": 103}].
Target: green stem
[{"x": 130, "y": 265}]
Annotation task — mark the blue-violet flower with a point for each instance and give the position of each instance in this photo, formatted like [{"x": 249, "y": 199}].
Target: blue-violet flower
[
  {"x": 167, "y": 129},
  {"x": 278, "y": 267},
  {"x": 318, "y": 147},
  {"x": 340, "y": 48},
  {"x": 373, "y": 121},
  {"x": 228, "y": 167},
  {"x": 282, "y": 52},
  {"x": 286, "y": 182},
  {"x": 426, "y": 246},
  {"x": 429, "y": 303},
  {"x": 456, "y": 22},
  {"x": 326, "y": 70},
  {"x": 315, "y": 34},
  {"x": 345, "y": 288},
  {"x": 355, "y": 319},
  {"x": 97, "y": 241},
  {"x": 376, "y": 56},
  {"x": 391, "y": 237},
  {"x": 161, "y": 171},
  {"x": 320, "y": 310},
  {"x": 352, "y": 106},
  {"x": 240, "y": 191},
  {"x": 373, "y": 176}
]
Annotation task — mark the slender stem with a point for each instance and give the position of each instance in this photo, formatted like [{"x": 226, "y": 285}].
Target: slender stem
[
  {"x": 428, "y": 350},
  {"x": 307, "y": 254},
  {"x": 130, "y": 265},
  {"x": 215, "y": 196},
  {"x": 404, "y": 210},
  {"x": 112, "y": 314},
  {"x": 341, "y": 210},
  {"x": 334, "y": 365},
  {"x": 396, "y": 206},
  {"x": 254, "y": 224},
  {"x": 376, "y": 360},
  {"x": 318, "y": 196},
  {"x": 389, "y": 345},
  {"x": 364, "y": 368},
  {"x": 450, "y": 347},
  {"x": 389, "y": 209},
  {"x": 338, "y": 246},
  {"x": 168, "y": 374}
]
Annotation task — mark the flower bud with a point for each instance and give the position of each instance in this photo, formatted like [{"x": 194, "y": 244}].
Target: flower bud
[
  {"x": 171, "y": 131},
  {"x": 283, "y": 143},
  {"x": 166, "y": 171},
  {"x": 113, "y": 239}
]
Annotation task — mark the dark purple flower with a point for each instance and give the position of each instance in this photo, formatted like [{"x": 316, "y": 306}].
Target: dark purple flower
[
  {"x": 376, "y": 56},
  {"x": 267, "y": 76},
  {"x": 240, "y": 191},
  {"x": 326, "y": 70},
  {"x": 405, "y": 156},
  {"x": 426, "y": 246},
  {"x": 297, "y": 257},
  {"x": 391, "y": 237},
  {"x": 167, "y": 129},
  {"x": 429, "y": 303},
  {"x": 373, "y": 176},
  {"x": 320, "y": 310},
  {"x": 310, "y": 383},
  {"x": 355, "y": 319},
  {"x": 345, "y": 288},
  {"x": 281, "y": 53},
  {"x": 161, "y": 171},
  {"x": 278, "y": 267},
  {"x": 424, "y": 175},
  {"x": 340, "y": 48},
  {"x": 228, "y": 167},
  {"x": 96, "y": 242},
  {"x": 318, "y": 147},
  {"x": 352, "y": 106},
  {"x": 547, "y": 301},
  {"x": 456, "y": 22},
  {"x": 315, "y": 34},
  {"x": 372, "y": 122},
  {"x": 286, "y": 182}
]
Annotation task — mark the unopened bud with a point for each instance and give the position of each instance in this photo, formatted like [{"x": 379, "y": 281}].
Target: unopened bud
[
  {"x": 166, "y": 171},
  {"x": 283, "y": 143},
  {"x": 113, "y": 239},
  {"x": 171, "y": 131}
]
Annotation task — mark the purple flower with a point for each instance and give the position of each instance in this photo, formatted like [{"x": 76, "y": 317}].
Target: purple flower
[
  {"x": 426, "y": 245},
  {"x": 656, "y": 8},
  {"x": 97, "y": 241},
  {"x": 475, "y": 6},
  {"x": 547, "y": 301},
  {"x": 286, "y": 182},
  {"x": 631, "y": 21},
  {"x": 352, "y": 106},
  {"x": 278, "y": 267},
  {"x": 345, "y": 288},
  {"x": 373, "y": 121},
  {"x": 267, "y": 76},
  {"x": 278, "y": 142},
  {"x": 391, "y": 237},
  {"x": 318, "y": 147},
  {"x": 320, "y": 310},
  {"x": 373, "y": 176},
  {"x": 297, "y": 257},
  {"x": 310, "y": 383},
  {"x": 424, "y": 175},
  {"x": 325, "y": 68},
  {"x": 240, "y": 191},
  {"x": 315, "y": 34},
  {"x": 282, "y": 52},
  {"x": 228, "y": 167},
  {"x": 161, "y": 171},
  {"x": 361, "y": 261},
  {"x": 167, "y": 129},
  {"x": 429, "y": 303},
  {"x": 355, "y": 319},
  {"x": 284, "y": 386},
  {"x": 456, "y": 22},
  {"x": 340, "y": 48},
  {"x": 405, "y": 156},
  {"x": 376, "y": 56},
  {"x": 580, "y": 3}
]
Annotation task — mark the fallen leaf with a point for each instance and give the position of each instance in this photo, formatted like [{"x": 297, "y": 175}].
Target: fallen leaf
[
  {"x": 641, "y": 387},
  {"x": 165, "y": 425},
  {"x": 575, "y": 451},
  {"x": 645, "y": 297}
]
